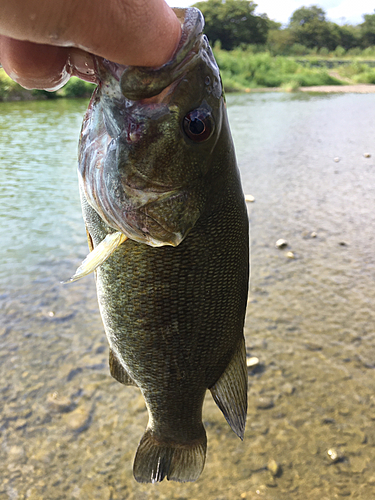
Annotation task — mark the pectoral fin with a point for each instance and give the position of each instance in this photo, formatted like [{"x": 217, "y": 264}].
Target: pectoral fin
[
  {"x": 117, "y": 371},
  {"x": 98, "y": 255},
  {"x": 230, "y": 391}
]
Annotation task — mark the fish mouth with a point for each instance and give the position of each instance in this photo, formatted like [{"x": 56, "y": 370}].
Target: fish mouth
[{"x": 138, "y": 83}]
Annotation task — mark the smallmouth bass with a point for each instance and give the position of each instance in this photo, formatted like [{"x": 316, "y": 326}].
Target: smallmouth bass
[{"x": 157, "y": 165}]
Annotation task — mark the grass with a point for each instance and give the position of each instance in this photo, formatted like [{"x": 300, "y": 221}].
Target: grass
[
  {"x": 11, "y": 91},
  {"x": 246, "y": 68}
]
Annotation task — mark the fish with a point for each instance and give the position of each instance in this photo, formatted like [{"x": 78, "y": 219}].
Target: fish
[{"x": 158, "y": 177}]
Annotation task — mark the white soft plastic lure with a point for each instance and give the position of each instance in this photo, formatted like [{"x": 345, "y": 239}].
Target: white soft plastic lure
[{"x": 99, "y": 255}]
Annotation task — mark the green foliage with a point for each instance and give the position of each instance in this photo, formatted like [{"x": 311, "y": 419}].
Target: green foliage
[
  {"x": 309, "y": 27},
  {"x": 77, "y": 88},
  {"x": 306, "y": 15},
  {"x": 279, "y": 41},
  {"x": 233, "y": 22},
  {"x": 367, "y": 30},
  {"x": 243, "y": 69},
  {"x": 297, "y": 49},
  {"x": 339, "y": 51},
  {"x": 10, "y": 90}
]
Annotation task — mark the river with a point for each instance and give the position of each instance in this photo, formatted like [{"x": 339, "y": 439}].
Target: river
[{"x": 68, "y": 430}]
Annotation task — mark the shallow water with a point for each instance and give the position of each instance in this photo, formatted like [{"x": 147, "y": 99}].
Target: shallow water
[{"x": 68, "y": 430}]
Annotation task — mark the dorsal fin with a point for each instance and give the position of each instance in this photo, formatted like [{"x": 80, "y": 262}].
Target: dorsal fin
[
  {"x": 230, "y": 391},
  {"x": 117, "y": 371}
]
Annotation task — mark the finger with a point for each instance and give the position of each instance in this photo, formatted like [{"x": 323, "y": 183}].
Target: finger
[
  {"x": 130, "y": 32},
  {"x": 34, "y": 65}
]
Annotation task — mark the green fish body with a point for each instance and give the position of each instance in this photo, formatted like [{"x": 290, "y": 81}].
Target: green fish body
[{"x": 157, "y": 163}]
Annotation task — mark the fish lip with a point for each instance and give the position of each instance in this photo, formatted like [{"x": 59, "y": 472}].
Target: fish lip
[{"x": 140, "y": 83}]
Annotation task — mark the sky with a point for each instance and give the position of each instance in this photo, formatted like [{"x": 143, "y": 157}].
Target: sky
[{"x": 338, "y": 11}]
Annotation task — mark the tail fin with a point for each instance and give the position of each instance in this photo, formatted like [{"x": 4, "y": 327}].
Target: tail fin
[{"x": 156, "y": 460}]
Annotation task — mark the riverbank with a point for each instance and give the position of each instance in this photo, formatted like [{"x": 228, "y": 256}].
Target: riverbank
[
  {"x": 330, "y": 89},
  {"x": 244, "y": 71}
]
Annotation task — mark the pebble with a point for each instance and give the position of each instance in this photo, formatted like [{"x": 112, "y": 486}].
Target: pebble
[
  {"x": 334, "y": 455},
  {"x": 281, "y": 243},
  {"x": 78, "y": 420},
  {"x": 273, "y": 467},
  {"x": 290, "y": 255},
  {"x": 249, "y": 197},
  {"x": 58, "y": 403},
  {"x": 264, "y": 403},
  {"x": 336, "y": 159},
  {"x": 312, "y": 346},
  {"x": 16, "y": 452},
  {"x": 367, "y": 155},
  {"x": 252, "y": 362},
  {"x": 288, "y": 389}
]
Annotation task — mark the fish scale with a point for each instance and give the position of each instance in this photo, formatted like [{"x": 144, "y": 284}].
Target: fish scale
[{"x": 173, "y": 296}]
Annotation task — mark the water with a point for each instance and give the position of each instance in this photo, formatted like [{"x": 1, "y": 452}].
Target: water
[{"x": 68, "y": 430}]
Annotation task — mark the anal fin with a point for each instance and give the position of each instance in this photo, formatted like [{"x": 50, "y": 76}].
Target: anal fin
[
  {"x": 117, "y": 371},
  {"x": 230, "y": 391}
]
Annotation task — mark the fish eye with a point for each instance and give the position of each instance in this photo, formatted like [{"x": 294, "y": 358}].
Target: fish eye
[{"x": 198, "y": 125}]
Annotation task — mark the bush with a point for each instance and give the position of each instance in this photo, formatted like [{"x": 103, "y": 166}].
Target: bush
[
  {"x": 365, "y": 77},
  {"x": 77, "y": 88},
  {"x": 369, "y": 51},
  {"x": 339, "y": 51},
  {"x": 298, "y": 50},
  {"x": 243, "y": 69}
]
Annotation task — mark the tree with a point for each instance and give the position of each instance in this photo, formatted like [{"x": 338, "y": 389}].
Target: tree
[
  {"x": 304, "y": 15},
  {"x": 367, "y": 30},
  {"x": 233, "y": 22},
  {"x": 311, "y": 29}
]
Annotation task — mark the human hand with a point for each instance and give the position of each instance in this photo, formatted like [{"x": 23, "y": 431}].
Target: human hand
[{"x": 44, "y": 42}]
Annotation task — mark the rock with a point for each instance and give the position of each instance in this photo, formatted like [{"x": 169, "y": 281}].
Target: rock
[
  {"x": 16, "y": 452},
  {"x": 252, "y": 362},
  {"x": 78, "y": 420},
  {"x": 312, "y": 346},
  {"x": 290, "y": 255},
  {"x": 336, "y": 159},
  {"x": 249, "y": 198},
  {"x": 367, "y": 155},
  {"x": 334, "y": 455},
  {"x": 59, "y": 403},
  {"x": 342, "y": 243},
  {"x": 288, "y": 389},
  {"x": 313, "y": 234},
  {"x": 281, "y": 243},
  {"x": 264, "y": 403},
  {"x": 273, "y": 467}
]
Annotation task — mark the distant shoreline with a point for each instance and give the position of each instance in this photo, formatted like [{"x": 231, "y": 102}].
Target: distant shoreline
[{"x": 327, "y": 89}]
